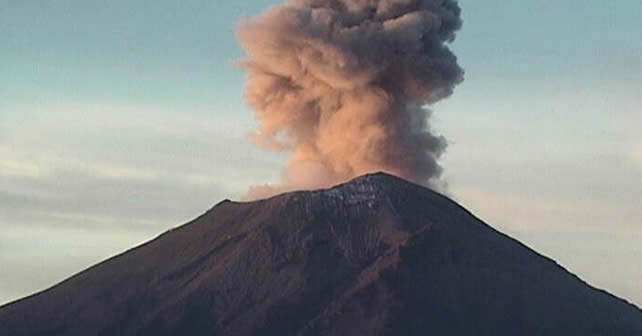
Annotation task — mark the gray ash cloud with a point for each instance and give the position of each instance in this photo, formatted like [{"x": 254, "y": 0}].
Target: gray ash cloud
[{"x": 343, "y": 85}]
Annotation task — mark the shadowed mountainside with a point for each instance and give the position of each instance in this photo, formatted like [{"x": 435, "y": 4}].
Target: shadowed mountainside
[{"x": 375, "y": 256}]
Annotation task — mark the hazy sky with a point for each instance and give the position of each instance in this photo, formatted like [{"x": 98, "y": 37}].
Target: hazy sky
[{"x": 121, "y": 119}]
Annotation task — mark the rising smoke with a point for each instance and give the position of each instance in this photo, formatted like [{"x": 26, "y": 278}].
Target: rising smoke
[{"x": 343, "y": 85}]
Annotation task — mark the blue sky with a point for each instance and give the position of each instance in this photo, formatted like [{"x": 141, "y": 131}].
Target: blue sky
[{"x": 121, "y": 119}]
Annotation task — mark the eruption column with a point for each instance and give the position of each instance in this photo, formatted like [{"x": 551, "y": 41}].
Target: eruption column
[{"x": 343, "y": 85}]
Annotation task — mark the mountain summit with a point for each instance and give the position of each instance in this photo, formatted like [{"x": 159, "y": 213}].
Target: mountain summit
[{"x": 374, "y": 256}]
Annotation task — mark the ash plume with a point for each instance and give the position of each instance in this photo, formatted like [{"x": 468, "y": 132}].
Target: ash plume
[{"x": 343, "y": 85}]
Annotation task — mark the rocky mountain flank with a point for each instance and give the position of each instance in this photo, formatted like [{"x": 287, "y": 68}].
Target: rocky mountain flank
[{"x": 375, "y": 256}]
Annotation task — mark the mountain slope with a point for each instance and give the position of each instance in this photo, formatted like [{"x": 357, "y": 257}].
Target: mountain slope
[{"x": 375, "y": 256}]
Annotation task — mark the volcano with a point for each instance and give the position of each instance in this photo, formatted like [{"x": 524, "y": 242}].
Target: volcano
[{"x": 375, "y": 256}]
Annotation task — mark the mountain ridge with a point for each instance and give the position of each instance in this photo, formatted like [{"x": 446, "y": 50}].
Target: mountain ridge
[{"x": 329, "y": 261}]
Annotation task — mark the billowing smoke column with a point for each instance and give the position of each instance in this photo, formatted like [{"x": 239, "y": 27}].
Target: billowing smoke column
[{"x": 342, "y": 84}]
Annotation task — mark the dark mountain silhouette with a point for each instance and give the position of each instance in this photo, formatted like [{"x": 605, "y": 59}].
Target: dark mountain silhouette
[{"x": 375, "y": 256}]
